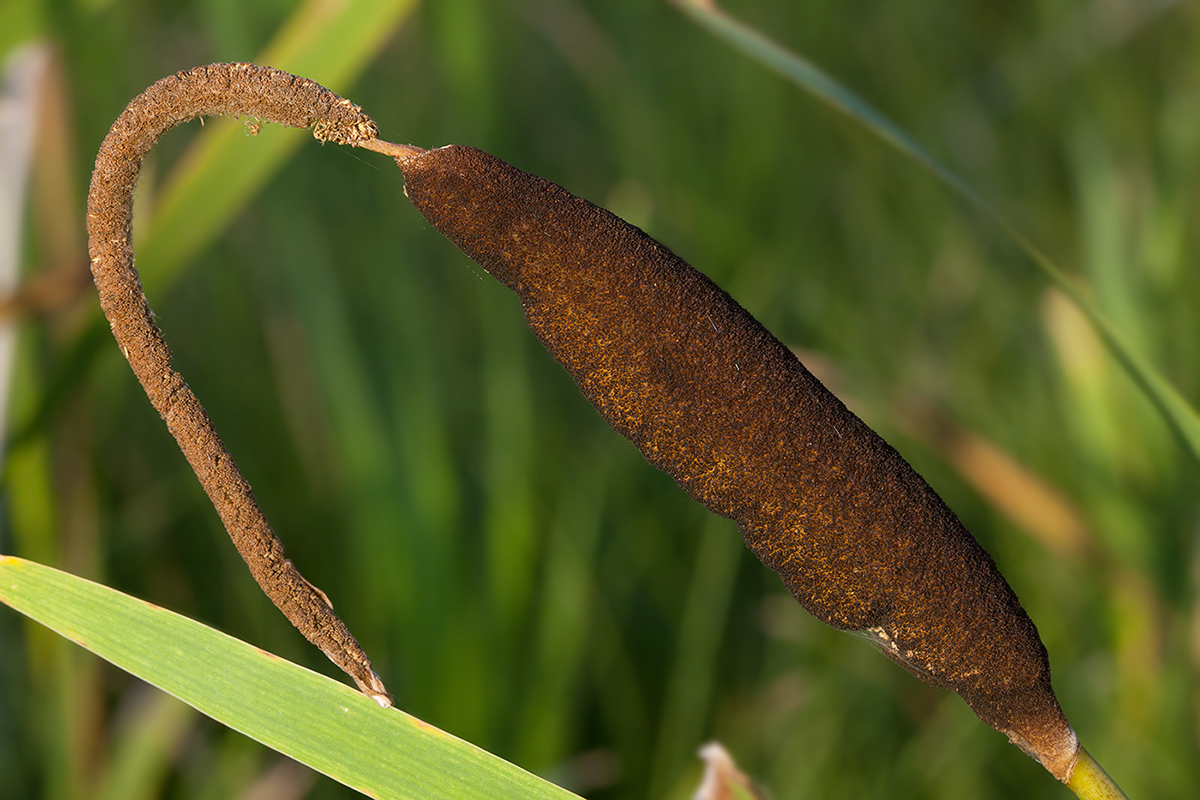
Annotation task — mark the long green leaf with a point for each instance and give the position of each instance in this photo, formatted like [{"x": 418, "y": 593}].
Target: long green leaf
[
  {"x": 1183, "y": 419},
  {"x": 313, "y": 719},
  {"x": 326, "y": 41}
]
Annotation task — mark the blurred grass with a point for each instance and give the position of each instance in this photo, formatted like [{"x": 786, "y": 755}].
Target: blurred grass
[
  {"x": 1182, "y": 418},
  {"x": 521, "y": 578},
  {"x": 217, "y": 176}
]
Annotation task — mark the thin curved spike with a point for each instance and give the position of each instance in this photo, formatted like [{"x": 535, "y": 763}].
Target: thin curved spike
[{"x": 260, "y": 93}]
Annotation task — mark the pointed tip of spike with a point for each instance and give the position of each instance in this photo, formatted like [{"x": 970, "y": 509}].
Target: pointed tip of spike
[{"x": 1089, "y": 781}]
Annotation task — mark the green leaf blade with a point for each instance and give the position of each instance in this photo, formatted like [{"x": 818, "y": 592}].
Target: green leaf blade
[{"x": 317, "y": 721}]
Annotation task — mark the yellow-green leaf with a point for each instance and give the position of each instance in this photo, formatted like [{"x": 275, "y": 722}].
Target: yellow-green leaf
[{"x": 315, "y": 720}]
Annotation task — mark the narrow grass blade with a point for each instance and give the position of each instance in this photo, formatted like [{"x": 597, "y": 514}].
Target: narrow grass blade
[
  {"x": 313, "y": 719},
  {"x": 1183, "y": 419},
  {"x": 328, "y": 42}
]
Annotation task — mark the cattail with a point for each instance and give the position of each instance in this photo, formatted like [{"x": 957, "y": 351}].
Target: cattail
[
  {"x": 710, "y": 397},
  {"x": 674, "y": 364},
  {"x": 218, "y": 89}
]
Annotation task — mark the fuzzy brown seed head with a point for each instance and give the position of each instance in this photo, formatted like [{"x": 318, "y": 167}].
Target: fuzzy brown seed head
[
  {"x": 713, "y": 399},
  {"x": 264, "y": 95}
]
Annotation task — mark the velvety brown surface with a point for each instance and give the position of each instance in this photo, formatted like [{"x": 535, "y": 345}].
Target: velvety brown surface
[
  {"x": 713, "y": 399},
  {"x": 218, "y": 89}
]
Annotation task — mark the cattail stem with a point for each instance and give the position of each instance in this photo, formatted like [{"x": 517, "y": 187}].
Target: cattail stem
[
  {"x": 1089, "y": 781},
  {"x": 400, "y": 152}
]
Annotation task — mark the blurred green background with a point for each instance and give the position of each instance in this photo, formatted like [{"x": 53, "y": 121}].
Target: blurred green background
[{"x": 520, "y": 577}]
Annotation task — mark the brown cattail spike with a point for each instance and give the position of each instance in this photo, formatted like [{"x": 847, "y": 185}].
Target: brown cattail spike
[
  {"x": 232, "y": 90},
  {"x": 710, "y": 397}
]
